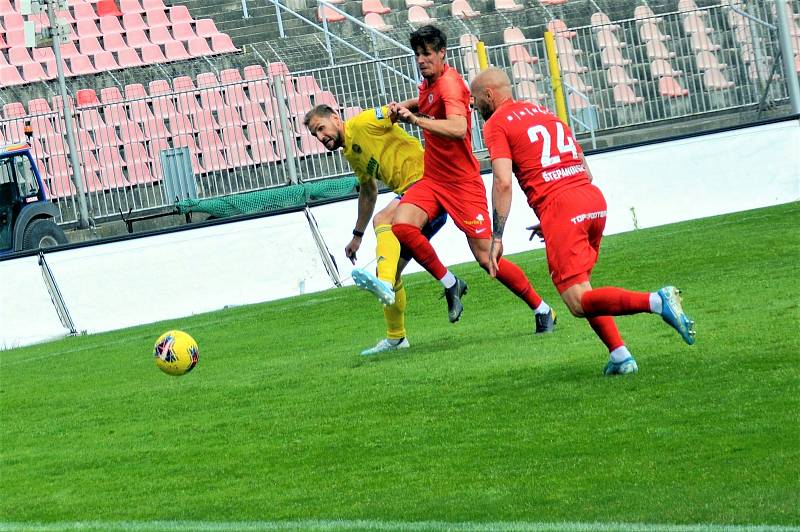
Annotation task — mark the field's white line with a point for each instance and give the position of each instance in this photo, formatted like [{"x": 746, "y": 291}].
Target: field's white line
[{"x": 311, "y": 524}]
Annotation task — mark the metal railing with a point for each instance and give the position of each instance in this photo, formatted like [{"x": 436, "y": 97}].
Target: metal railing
[{"x": 242, "y": 136}]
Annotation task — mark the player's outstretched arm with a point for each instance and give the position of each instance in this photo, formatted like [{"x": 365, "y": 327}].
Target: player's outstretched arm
[
  {"x": 367, "y": 197},
  {"x": 452, "y": 127},
  {"x": 501, "y": 206}
]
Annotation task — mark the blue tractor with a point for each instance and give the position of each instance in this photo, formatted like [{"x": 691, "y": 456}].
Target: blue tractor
[{"x": 27, "y": 218}]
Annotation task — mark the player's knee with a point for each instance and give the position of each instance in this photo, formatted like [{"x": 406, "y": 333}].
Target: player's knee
[{"x": 576, "y": 309}]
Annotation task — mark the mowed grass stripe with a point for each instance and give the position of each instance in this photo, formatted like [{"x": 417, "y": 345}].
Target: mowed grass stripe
[
  {"x": 477, "y": 422},
  {"x": 309, "y": 524}
]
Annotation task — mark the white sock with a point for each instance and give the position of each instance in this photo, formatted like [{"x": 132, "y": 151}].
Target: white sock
[
  {"x": 655, "y": 303},
  {"x": 619, "y": 354},
  {"x": 543, "y": 308},
  {"x": 448, "y": 280}
]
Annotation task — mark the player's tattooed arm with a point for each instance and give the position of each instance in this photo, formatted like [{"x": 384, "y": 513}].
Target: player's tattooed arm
[{"x": 498, "y": 224}]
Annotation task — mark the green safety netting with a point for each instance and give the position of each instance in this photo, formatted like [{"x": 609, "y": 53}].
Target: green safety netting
[{"x": 270, "y": 199}]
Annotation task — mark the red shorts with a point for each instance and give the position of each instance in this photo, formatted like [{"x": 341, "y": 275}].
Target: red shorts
[
  {"x": 572, "y": 224},
  {"x": 464, "y": 201}
]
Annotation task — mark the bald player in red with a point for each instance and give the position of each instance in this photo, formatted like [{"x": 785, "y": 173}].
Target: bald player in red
[
  {"x": 529, "y": 141},
  {"x": 451, "y": 181}
]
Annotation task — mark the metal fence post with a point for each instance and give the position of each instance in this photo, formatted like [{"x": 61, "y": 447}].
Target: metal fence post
[
  {"x": 785, "y": 41},
  {"x": 288, "y": 140},
  {"x": 280, "y": 21},
  {"x": 327, "y": 32},
  {"x": 244, "y": 9}
]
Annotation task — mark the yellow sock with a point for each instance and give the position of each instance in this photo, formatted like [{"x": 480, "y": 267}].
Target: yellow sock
[
  {"x": 388, "y": 252},
  {"x": 396, "y": 314}
]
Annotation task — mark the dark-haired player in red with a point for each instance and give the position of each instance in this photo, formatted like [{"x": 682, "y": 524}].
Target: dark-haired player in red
[
  {"x": 451, "y": 181},
  {"x": 534, "y": 144}
]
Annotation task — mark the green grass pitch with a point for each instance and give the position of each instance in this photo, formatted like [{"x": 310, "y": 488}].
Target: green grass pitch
[{"x": 479, "y": 422}]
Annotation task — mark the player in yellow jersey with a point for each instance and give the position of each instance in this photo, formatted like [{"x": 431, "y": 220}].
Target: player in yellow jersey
[{"x": 377, "y": 150}]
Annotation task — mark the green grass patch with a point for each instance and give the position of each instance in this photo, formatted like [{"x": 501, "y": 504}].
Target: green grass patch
[{"x": 478, "y": 421}]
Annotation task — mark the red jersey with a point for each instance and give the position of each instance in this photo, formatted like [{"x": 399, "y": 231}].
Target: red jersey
[
  {"x": 447, "y": 159},
  {"x": 546, "y": 158}
]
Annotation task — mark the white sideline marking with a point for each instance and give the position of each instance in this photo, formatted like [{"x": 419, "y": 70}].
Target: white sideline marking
[{"x": 500, "y": 526}]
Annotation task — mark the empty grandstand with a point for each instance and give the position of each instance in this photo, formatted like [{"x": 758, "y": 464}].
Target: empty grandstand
[{"x": 223, "y": 85}]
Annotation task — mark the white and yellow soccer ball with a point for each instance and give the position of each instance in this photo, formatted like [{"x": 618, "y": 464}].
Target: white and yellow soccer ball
[{"x": 176, "y": 353}]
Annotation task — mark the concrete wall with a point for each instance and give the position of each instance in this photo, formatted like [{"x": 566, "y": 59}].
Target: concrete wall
[{"x": 121, "y": 284}]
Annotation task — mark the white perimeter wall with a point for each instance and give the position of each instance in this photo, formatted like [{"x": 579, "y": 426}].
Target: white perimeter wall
[{"x": 121, "y": 284}]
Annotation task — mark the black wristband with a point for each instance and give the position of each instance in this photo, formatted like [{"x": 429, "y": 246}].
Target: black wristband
[{"x": 358, "y": 233}]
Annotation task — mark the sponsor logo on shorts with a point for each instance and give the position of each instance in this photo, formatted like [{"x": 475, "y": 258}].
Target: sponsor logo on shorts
[
  {"x": 588, "y": 216},
  {"x": 479, "y": 231},
  {"x": 569, "y": 171},
  {"x": 477, "y": 221}
]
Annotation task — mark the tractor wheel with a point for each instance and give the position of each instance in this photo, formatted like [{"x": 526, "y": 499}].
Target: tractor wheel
[{"x": 43, "y": 233}]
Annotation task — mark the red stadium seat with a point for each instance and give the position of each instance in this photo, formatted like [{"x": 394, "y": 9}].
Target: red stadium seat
[
  {"x": 175, "y": 51},
  {"x": 222, "y": 44},
  {"x": 376, "y": 22},
  {"x": 461, "y": 9},
  {"x": 151, "y": 53},
  {"x": 34, "y": 72},
  {"x": 133, "y": 21},
  {"x": 86, "y": 97},
  {"x": 109, "y": 25},
  {"x": 417, "y": 16},
  {"x": 374, "y": 6},
  {"x": 670, "y": 88},
  {"x": 180, "y": 14},
  {"x": 205, "y": 27},
  {"x": 624, "y": 95},
  {"x": 104, "y": 61},
  {"x": 160, "y": 35},
  {"x": 198, "y": 47},
  {"x": 128, "y": 57},
  {"x": 182, "y": 31},
  {"x": 87, "y": 28},
  {"x": 114, "y": 42},
  {"x": 157, "y": 18},
  {"x": 19, "y": 55},
  {"x": 130, "y": 6},
  {"x": 507, "y": 6}
]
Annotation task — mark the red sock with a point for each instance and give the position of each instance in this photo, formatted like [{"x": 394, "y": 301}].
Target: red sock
[
  {"x": 607, "y": 330},
  {"x": 515, "y": 280},
  {"x": 411, "y": 238},
  {"x": 611, "y": 301}
]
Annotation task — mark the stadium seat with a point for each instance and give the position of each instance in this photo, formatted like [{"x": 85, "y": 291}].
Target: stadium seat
[
  {"x": 513, "y": 35},
  {"x": 326, "y": 13},
  {"x": 624, "y": 95},
  {"x": 376, "y": 22},
  {"x": 649, "y": 31},
  {"x": 104, "y": 61},
  {"x": 660, "y": 68},
  {"x": 32, "y": 72},
  {"x": 577, "y": 83},
  {"x": 616, "y": 75},
  {"x": 133, "y": 21},
  {"x": 278, "y": 68},
  {"x": 110, "y": 25},
  {"x": 19, "y": 55},
  {"x": 14, "y": 110},
  {"x": 89, "y": 45},
  {"x": 222, "y": 44},
  {"x": 157, "y": 18},
  {"x": 135, "y": 90},
  {"x": 230, "y": 75},
  {"x": 708, "y": 61},
  {"x": 154, "y": 128},
  {"x": 558, "y": 27},
  {"x": 204, "y": 120},
  {"x": 84, "y": 11},
  {"x": 114, "y": 42},
  {"x": 180, "y": 13},
  {"x": 235, "y": 94},
  {"x": 114, "y": 114},
  {"x": 205, "y": 27},
  {"x": 228, "y": 116},
  {"x": 527, "y": 90},
  {"x": 507, "y": 6},
  {"x": 309, "y": 145},
  {"x": 519, "y": 53},
  {"x": 645, "y": 14},
  {"x": 138, "y": 173},
  {"x": 693, "y": 23},
  {"x": 600, "y": 21},
  {"x": 462, "y": 10},
  {"x": 252, "y": 113},
  {"x": 254, "y": 72},
  {"x": 108, "y": 8},
  {"x": 175, "y": 51},
  {"x": 522, "y": 71},
  {"x": 6, "y": 8},
  {"x": 182, "y": 31},
  {"x": 298, "y": 104},
  {"x": 232, "y": 136},
  {"x": 187, "y": 103},
  {"x": 81, "y": 65},
  {"x": 212, "y": 160},
  {"x": 417, "y": 16},
  {"x": 130, "y": 6},
  {"x": 307, "y": 85},
  {"x": 670, "y": 88},
  {"x": 38, "y": 106},
  {"x": 181, "y": 125},
  {"x": 419, "y": 3},
  {"x": 607, "y": 39},
  {"x": 86, "y": 97},
  {"x": 613, "y": 56},
  {"x": 87, "y": 28},
  {"x": 714, "y": 79},
  {"x": 153, "y": 4},
  {"x": 259, "y": 91},
  {"x": 700, "y": 41},
  {"x": 160, "y": 35},
  {"x": 374, "y": 6},
  {"x": 198, "y": 47},
  {"x": 687, "y": 5},
  {"x": 657, "y": 50},
  {"x": 129, "y": 58}
]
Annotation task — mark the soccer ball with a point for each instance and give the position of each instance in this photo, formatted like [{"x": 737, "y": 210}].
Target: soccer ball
[{"x": 176, "y": 353}]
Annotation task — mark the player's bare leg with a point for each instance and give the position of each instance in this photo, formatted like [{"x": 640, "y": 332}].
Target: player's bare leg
[
  {"x": 407, "y": 225},
  {"x": 515, "y": 280}
]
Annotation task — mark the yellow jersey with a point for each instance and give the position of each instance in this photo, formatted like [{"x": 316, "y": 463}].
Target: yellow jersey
[{"x": 377, "y": 148}]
